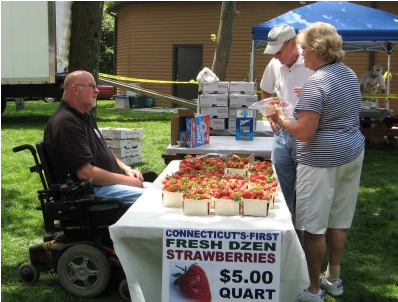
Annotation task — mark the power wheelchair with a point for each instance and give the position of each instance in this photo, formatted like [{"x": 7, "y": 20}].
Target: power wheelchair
[{"x": 77, "y": 245}]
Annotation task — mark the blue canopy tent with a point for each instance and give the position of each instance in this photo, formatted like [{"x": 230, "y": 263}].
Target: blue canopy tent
[{"x": 362, "y": 28}]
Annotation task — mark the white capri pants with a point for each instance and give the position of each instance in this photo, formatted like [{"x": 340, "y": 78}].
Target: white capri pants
[{"x": 326, "y": 197}]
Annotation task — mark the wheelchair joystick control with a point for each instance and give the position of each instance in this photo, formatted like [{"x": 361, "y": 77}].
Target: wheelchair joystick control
[{"x": 69, "y": 181}]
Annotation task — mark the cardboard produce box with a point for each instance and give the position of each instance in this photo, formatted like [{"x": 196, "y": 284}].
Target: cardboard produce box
[
  {"x": 242, "y": 100},
  {"x": 218, "y": 123},
  {"x": 123, "y": 143},
  {"x": 217, "y": 87},
  {"x": 215, "y": 112},
  {"x": 122, "y": 133},
  {"x": 242, "y": 87},
  {"x": 127, "y": 152},
  {"x": 210, "y": 100},
  {"x": 129, "y": 161}
]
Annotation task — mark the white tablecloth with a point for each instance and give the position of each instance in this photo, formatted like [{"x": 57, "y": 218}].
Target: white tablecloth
[
  {"x": 376, "y": 113},
  {"x": 137, "y": 238},
  {"x": 260, "y": 146}
]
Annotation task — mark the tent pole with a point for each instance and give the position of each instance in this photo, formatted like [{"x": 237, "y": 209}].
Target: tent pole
[
  {"x": 388, "y": 78},
  {"x": 251, "y": 76}
]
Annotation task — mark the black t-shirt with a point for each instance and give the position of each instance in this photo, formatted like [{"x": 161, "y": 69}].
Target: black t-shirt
[{"x": 72, "y": 139}]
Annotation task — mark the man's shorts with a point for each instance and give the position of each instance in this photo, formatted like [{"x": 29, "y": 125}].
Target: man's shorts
[{"x": 326, "y": 197}]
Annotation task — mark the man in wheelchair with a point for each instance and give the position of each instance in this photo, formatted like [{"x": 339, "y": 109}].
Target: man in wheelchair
[
  {"x": 77, "y": 162},
  {"x": 75, "y": 146}
]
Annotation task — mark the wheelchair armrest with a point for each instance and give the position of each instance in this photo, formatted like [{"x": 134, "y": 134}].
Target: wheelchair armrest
[
  {"x": 106, "y": 211},
  {"x": 110, "y": 200},
  {"x": 73, "y": 189},
  {"x": 106, "y": 203}
]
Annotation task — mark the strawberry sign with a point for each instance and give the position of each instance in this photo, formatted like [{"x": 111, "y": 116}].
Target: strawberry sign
[{"x": 220, "y": 265}]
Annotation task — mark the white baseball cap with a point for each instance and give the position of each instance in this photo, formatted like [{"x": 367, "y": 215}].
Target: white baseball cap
[{"x": 277, "y": 36}]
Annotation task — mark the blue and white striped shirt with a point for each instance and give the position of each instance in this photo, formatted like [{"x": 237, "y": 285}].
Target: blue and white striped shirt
[{"x": 333, "y": 92}]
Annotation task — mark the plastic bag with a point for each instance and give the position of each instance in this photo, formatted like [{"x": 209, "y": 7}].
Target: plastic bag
[
  {"x": 266, "y": 106},
  {"x": 207, "y": 76}
]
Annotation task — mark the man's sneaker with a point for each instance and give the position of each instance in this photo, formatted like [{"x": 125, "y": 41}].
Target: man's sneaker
[
  {"x": 305, "y": 295},
  {"x": 334, "y": 289}
]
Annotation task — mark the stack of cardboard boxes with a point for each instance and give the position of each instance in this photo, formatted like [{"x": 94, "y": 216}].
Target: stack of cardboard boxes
[
  {"x": 125, "y": 143},
  {"x": 241, "y": 96},
  {"x": 214, "y": 101},
  {"x": 222, "y": 100}
]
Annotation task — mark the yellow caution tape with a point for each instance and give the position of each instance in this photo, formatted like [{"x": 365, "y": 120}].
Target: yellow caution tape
[
  {"x": 136, "y": 80},
  {"x": 386, "y": 96}
]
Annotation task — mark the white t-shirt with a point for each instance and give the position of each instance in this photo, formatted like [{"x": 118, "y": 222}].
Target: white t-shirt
[
  {"x": 280, "y": 79},
  {"x": 371, "y": 84}
]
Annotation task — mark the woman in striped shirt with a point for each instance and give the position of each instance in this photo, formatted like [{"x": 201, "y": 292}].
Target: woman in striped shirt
[{"x": 330, "y": 150}]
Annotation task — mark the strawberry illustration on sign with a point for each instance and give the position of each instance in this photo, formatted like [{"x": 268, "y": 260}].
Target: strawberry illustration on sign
[{"x": 193, "y": 283}]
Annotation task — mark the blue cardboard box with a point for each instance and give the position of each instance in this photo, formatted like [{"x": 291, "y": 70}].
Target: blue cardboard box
[
  {"x": 198, "y": 130},
  {"x": 244, "y": 125}
]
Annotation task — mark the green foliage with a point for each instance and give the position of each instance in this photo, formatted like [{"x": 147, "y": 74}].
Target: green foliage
[
  {"x": 107, "y": 43},
  {"x": 369, "y": 267}
]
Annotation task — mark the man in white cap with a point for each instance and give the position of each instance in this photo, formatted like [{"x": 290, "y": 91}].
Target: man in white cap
[
  {"x": 284, "y": 72},
  {"x": 371, "y": 81}
]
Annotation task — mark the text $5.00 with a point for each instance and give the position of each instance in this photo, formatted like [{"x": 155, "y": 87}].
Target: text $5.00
[{"x": 255, "y": 277}]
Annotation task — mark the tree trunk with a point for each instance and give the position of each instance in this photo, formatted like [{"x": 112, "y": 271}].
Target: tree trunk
[
  {"x": 224, "y": 39},
  {"x": 84, "y": 49}
]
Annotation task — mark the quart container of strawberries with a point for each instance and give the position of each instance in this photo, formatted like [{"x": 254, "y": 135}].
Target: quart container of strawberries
[
  {"x": 226, "y": 207},
  {"x": 172, "y": 199},
  {"x": 196, "y": 207},
  {"x": 255, "y": 207}
]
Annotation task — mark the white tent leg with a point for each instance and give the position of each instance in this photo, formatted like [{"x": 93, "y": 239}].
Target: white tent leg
[
  {"x": 388, "y": 78},
  {"x": 252, "y": 63}
]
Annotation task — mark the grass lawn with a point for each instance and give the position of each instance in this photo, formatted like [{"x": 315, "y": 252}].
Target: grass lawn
[{"x": 369, "y": 269}]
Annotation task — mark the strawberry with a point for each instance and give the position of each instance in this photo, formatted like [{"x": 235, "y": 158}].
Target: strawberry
[
  {"x": 217, "y": 194},
  {"x": 198, "y": 166},
  {"x": 205, "y": 196},
  {"x": 193, "y": 283},
  {"x": 247, "y": 195}
]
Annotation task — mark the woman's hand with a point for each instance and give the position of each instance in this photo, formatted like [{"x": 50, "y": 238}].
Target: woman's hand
[{"x": 275, "y": 117}]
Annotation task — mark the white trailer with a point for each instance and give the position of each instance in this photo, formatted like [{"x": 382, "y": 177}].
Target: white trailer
[{"x": 34, "y": 49}]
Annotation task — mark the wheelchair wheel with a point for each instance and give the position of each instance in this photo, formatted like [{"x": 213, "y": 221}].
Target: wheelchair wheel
[
  {"x": 124, "y": 290},
  {"x": 29, "y": 272},
  {"x": 84, "y": 271}
]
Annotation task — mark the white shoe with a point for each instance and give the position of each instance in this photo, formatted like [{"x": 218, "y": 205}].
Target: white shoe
[
  {"x": 305, "y": 295},
  {"x": 334, "y": 289}
]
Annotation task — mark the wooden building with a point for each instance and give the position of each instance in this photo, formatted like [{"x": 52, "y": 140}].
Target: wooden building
[{"x": 171, "y": 40}]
